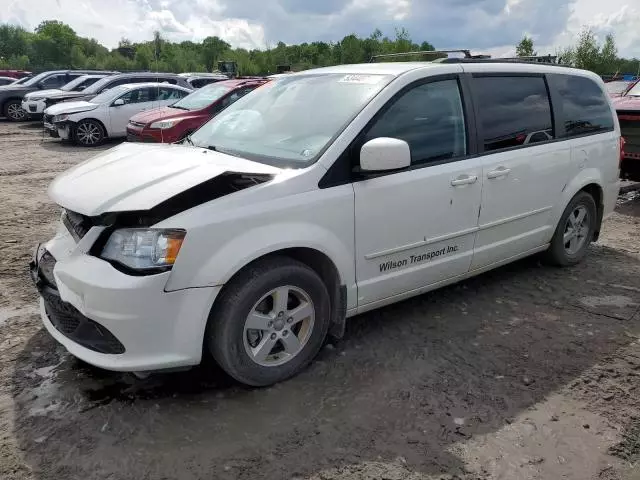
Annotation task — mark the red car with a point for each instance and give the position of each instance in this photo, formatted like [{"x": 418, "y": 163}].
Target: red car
[
  {"x": 173, "y": 123},
  {"x": 628, "y": 108},
  {"x": 14, "y": 73}
]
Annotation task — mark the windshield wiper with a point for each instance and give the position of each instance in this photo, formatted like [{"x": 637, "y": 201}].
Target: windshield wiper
[
  {"x": 180, "y": 108},
  {"x": 189, "y": 141},
  {"x": 223, "y": 150}
]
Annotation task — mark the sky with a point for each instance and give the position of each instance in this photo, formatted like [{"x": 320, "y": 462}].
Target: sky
[{"x": 485, "y": 26}]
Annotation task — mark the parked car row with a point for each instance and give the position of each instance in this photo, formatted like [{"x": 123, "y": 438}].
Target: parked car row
[
  {"x": 28, "y": 98},
  {"x": 146, "y": 112}
]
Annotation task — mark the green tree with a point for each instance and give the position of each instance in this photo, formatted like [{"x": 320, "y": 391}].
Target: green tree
[
  {"x": 212, "y": 50},
  {"x": 525, "y": 47}
]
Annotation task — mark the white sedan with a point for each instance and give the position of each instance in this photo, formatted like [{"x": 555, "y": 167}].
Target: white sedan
[{"x": 107, "y": 115}]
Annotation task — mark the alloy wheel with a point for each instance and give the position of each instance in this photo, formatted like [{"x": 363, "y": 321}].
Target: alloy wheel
[
  {"x": 88, "y": 133},
  {"x": 576, "y": 230},
  {"x": 16, "y": 112},
  {"x": 279, "y": 326}
]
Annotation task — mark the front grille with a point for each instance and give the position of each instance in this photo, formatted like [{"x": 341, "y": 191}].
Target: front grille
[
  {"x": 48, "y": 118},
  {"x": 77, "y": 224},
  {"x": 75, "y": 326},
  {"x": 32, "y": 108},
  {"x": 45, "y": 269}
]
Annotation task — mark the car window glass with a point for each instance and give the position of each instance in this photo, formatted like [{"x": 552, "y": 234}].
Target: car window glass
[
  {"x": 514, "y": 111},
  {"x": 54, "y": 81},
  {"x": 584, "y": 106},
  {"x": 165, "y": 93},
  {"x": 139, "y": 95},
  {"x": 430, "y": 118}
]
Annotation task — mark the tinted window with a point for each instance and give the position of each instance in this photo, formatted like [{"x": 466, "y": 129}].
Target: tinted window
[
  {"x": 430, "y": 119},
  {"x": 513, "y": 111},
  {"x": 54, "y": 81},
  {"x": 584, "y": 106}
]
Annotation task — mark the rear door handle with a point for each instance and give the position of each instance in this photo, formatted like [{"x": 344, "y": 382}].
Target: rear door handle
[
  {"x": 499, "y": 172},
  {"x": 464, "y": 180}
]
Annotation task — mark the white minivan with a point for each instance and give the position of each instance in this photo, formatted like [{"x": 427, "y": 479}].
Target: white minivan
[{"x": 318, "y": 196}]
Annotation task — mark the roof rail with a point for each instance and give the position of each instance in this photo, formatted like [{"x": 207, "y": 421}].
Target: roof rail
[
  {"x": 466, "y": 52},
  {"x": 547, "y": 60}
]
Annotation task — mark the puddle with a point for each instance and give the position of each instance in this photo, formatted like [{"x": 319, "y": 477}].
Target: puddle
[{"x": 619, "y": 301}]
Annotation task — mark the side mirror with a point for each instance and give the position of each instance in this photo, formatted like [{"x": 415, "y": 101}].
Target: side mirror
[
  {"x": 118, "y": 103},
  {"x": 384, "y": 154}
]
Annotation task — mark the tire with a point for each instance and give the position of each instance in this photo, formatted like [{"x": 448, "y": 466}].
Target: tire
[
  {"x": 14, "y": 112},
  {"x": 565, "y": 253},
  {"x": 282, "y": 345},
  {"x": 89, "y": 133}
]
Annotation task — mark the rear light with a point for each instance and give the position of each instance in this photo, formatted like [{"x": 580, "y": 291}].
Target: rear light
[{"x": 622, "y": 143}]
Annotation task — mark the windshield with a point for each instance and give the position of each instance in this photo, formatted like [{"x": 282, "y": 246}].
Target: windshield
[
  {"x": 22, "y": 81},
  {"x": 203, "y": 97},
  {"x": 290, "y": 121},
  {"x": 74, "y": 83},
  {"x": 35, "y": 80},
  {"x": 635, "y": 91},
  {"x": 111, "y": 94}
]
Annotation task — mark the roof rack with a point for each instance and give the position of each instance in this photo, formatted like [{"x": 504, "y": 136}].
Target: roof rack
[
  {"x": 547, "y": 59},
  {"x": 466, "y": 52}
]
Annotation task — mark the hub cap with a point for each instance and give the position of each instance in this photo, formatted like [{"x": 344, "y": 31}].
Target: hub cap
[
  {"x": 278, "y": 326},
  {"x": 16, "y": 112},
  {"x": 576, "y": 230},
  {"x": 88, "y": 133}
]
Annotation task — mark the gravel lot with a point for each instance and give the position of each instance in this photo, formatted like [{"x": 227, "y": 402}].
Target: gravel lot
[{"x": 527, "y": 372}]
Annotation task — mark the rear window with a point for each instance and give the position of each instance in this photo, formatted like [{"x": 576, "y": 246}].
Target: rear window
[
  {"x": 514, "y": 111},
  {"x": 584, "y": 106}
]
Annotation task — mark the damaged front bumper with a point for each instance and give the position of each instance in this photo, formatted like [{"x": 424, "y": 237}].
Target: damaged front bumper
[{"x": 114, "y": 320}]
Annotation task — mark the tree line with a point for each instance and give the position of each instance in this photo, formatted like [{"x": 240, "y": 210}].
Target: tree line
[
  {"x": 589, "y": 54},
  {"x": 55, "y": 45}
]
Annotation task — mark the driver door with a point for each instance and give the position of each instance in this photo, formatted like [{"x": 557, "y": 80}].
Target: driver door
[{"x": 135, "y": 101}]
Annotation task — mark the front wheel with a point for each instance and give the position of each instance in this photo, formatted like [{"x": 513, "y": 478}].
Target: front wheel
[
  {"x": 89, "y": 133},
  {"x": 14, "y": 112},
  {"x": 270, "y": 321},
  {"x": 574, "y": 232}
]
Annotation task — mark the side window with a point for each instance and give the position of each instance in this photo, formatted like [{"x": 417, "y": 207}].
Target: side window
[
  {"x": 116, "y": 83},
  {"x": 138, "y": 95},
  {"x": 584, "y": 106},
  {"x": 165, "y": 93},
  {"x": 430, "y": 118},
  {"x": 54, "y": 81},
  {"x": 514, "y": 111},
  {"x": 88, "y": 82}
]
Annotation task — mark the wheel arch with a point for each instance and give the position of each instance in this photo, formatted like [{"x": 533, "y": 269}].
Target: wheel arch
[
  {"x": 321, "y": 264},
  {"x": 590, "y": 181}
]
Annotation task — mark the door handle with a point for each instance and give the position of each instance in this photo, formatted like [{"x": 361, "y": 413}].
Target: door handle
[
  {"x": 464, "y": 180},
  {"x": 499, "y": 172}
]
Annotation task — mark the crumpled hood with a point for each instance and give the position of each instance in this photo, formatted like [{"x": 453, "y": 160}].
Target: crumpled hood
[
  {"x": 628, "y": 102},
  {"x": 134, "y": 177},
  {"x": 70, "y": 107},
  {"x": 157, "y": 114}
]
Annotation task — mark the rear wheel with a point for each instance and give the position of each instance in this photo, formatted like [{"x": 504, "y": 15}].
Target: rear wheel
[
  {"x": 14, "y": 112},
  {"x": 270, "y": 322},
  {"x": 574, "y": 232},
  {"x": 89, "y": 133}
]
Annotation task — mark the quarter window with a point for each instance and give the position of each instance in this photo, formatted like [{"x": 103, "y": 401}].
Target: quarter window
[
  {"x": 584, "y": 106},
  {"x": 514, "y": 111},
  {"x": 430, "y": 118}
]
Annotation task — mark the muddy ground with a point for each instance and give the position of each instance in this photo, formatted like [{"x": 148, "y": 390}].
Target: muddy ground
[{"x": 527, "y": 372}]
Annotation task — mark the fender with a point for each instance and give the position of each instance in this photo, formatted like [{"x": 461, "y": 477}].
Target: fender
[
  {"x": 255, "y": 243},
  {"x": 582, "y": 179}
]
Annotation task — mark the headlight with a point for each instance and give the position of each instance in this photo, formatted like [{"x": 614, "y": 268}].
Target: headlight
[
  {"x": 60, "y": 118},
  {"x": 142, "y": 248},
  {"x": 164, "y": 124}
]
